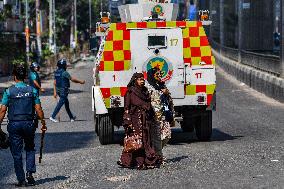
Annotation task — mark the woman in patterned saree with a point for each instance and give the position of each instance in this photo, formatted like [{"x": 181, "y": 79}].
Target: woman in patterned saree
[{"x": 162, "y": 104}]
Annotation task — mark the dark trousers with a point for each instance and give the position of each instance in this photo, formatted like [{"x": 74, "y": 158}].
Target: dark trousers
[
  {"x": 19, "y": 132},
  {"x": 156, "y": 138},
  {"x": 62, "y": 101}
]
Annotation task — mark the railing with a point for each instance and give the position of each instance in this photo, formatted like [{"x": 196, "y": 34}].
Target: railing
[
  {"x": 264, "y": 62},
  {"x": 215, "y": 45},
  {"x": 230, "y": 53}
]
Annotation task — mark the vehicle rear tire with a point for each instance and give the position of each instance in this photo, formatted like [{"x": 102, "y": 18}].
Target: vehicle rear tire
[
  {"x": 105, "y": 130},
  {"x": 203, "y": 128}
]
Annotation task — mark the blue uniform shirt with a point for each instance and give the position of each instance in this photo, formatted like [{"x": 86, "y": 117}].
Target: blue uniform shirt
[
  {"x": 66, "y": 75},
  {"x": 5, "y": 99},
  {"x": 33, "y": 76}
]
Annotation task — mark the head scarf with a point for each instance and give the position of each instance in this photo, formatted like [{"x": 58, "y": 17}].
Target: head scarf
[
  {"x": 158, "y": 85},
  {"x": 141, "y": 92},
  {"x": 134, "y": 78}
]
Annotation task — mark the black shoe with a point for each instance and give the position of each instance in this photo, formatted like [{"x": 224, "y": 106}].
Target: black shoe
[
  {"x": 21, "y": 184},
  {"x": 30, "y": 179}
]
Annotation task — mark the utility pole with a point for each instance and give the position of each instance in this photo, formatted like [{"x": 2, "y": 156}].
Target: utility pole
[
  {"x": 90, "y": 16},
  {"x": 27, "y": 31},
  {"x": 72, "y": 26},
  {"x": 75, "y": 23},
  {"x": 51, "y": 25},
  {"x": 38, "y": 30},
  {"x": 282, "y": 39},
  {"x": 54, "y": 28}
]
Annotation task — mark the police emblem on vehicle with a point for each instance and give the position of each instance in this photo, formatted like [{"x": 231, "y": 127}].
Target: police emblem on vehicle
[
  {"x": 163, "y": 64},
  {"x": 158, "y": 9}
]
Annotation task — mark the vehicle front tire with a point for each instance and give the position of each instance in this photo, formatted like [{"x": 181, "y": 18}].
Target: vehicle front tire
[{"x": 105, "y": 130}]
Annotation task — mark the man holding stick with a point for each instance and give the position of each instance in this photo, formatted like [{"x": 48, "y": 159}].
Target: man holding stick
[{"x": 21, "y": 101}]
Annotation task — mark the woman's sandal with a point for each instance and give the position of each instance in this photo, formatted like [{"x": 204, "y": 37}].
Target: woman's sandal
[{"x": 151, "y": 166}]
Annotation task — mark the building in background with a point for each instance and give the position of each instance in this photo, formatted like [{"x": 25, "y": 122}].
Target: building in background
[{"x": 11, "y": 28}]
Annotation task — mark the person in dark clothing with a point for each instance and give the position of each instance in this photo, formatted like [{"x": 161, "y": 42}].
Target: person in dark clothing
[
  {"x": 61, "y": 88},
  {"x": 34, "y": 79},
  {"x": 137, "y": 106},
  {"x": 21, "y": 101}
]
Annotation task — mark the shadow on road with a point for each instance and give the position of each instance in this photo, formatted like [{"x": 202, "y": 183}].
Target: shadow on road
[
  {"x": 53, "y": 143},
  {"x": 179, "y": 137},
  {"x": 49, "y": 92},
  {"x": 38, "y": 182},
  {"x": 176, "y": 159},
  {"x": 66, "y": 141},
  {"x": 45, "y": 180}
]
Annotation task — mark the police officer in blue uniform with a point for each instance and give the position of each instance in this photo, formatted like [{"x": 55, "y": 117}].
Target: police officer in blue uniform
[
  {"x": 61, "y": 88},
  {"x": 34, "y": 79},
  {"x": 21, "y": 101}
]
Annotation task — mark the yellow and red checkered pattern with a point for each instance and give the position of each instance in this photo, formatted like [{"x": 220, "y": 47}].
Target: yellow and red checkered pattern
[
  {"x": 196, "y": 47},
  {"x": 194, "y": 89},
  {"x": 117, "y": 54},
  {"x": 114, "y": 91}
]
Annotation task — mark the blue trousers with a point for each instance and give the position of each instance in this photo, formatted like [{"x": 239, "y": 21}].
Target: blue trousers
[
  {"x": 22, "y": 132},
  {"x": 62, "y": 101}
]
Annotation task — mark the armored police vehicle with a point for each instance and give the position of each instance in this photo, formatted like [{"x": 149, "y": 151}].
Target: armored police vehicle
[{"x": 149, "y": 36}]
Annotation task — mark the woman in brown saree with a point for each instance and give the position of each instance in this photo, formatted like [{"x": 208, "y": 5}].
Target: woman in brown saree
[{"x": 138, "y": 119}]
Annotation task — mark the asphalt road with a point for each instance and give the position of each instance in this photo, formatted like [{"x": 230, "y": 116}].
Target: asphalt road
[{"x": 246, "y": 151}]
